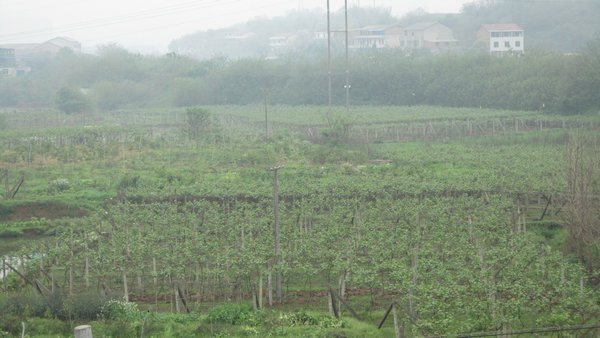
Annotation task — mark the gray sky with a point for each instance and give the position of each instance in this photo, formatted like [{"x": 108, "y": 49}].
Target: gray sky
[{"x": 149, "y": 25}]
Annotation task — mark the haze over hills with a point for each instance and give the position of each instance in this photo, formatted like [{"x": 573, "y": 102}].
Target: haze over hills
[{"x": 553, "y": 25}]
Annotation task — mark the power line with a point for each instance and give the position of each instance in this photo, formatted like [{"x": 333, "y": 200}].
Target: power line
[
  {"x": 212, "y": 17},
  {"x": 125, "y": 18},
  {"x": 132, "y": 17}
]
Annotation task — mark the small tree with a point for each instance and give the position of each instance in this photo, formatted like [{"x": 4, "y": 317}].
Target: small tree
[
  {"x": 3, "y": 122},
  {"x": 583, "y": 217},
  {"x": 197, "y": 122},
  {"x": 337, "y": 131},
  {"x": 71, "y": 100}
]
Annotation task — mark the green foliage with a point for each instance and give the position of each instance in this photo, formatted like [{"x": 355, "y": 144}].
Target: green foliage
[
  {"x": 197, "y": 122},
  {"x": 230, "y": 313},
  {"x": 47, "y": 326},
  {"x": 71, "y": 100},
  {"x": 90, "y": 306},
  {"x": 337, "y": 131},
  {"x": 541, "y": 81},
  {"x": 120, "y": 310},
  {"x": 58, "y": 185},
  {"x": 33, "y": 305},
  {"x": 3, "y": 122},
  {"x": 303, "y": 318},
  {"x": 128, "y": 181},
  {"x": 111, "y": 95}
]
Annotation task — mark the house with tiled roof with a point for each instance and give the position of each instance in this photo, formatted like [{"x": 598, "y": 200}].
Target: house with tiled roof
[
  {"x": 429, "y": 35},
  {"x": 15, "y": 57},
  {"x": 502, "y": 39}
]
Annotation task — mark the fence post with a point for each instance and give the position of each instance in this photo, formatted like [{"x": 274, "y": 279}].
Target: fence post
[{"x": 396, "y": 327}]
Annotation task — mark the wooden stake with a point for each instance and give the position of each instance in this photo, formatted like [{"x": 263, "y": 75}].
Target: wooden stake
[
  {"x": 125, "y": 290},
  {"x": 396, "y": 328},
  {"x": 260, "y": 292},
  {"x": 270, "y": 288}
]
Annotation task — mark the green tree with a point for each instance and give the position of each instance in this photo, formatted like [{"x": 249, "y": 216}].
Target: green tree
[
  {"x": 197, "y": 122},
  {"x": 71, "y": 100}
]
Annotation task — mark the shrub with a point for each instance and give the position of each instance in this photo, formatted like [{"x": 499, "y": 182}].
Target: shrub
[
  {"x": 302, "y": 318},
  {"x": 23, "y": 304},
  {"x": 88, "y": 305},
  {"x": 120, "y": 310},
  {"x": 58, "y": 185},
  {"x": 230, "y": 313},
  {"x": 70, "y": 100},
  {"x": 54, "y": 306},
  {"x": 128, "y": 181},
  {"x": 10, "y": 233},
  {"x": 10, "y": 326},
  {"x": 44, "y": 326}
]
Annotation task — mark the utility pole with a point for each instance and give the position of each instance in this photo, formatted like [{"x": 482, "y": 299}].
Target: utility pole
[
  {"x": 266, "y": 115},
  {"x": 347, "y": 86},
  {"x": 329, "y": 51},
  {"x": 276, "y": 211}
]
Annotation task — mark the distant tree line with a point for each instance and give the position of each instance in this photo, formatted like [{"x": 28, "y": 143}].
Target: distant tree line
[{"x": 117, "y": 79}]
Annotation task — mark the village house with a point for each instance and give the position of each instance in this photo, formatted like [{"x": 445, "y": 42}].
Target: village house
[
  {"x": 432, "y": 36},
  {"x": 502, "y": 39},
  {"x": 14, "y": 57},
  {"x": 428, "y": 35},
  {"x": 375, "y": 37}
]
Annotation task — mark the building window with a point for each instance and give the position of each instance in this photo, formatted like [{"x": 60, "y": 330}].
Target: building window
[
  {"x": 507, "y": 44},
  {"x": 496, "y": 44},
  {"x": 517, "y": 43},
  {"x": 495, "y": 34}
]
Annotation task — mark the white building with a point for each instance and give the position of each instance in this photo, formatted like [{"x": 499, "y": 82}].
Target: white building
[{"x": 502, "y": 39}]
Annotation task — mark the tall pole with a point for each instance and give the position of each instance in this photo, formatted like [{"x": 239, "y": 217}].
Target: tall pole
[
  {"x": 329, "y": 52},
  {"x": 276, "y": 211},
  {"x": 266, "y": 115},
  {"x": 347, "y": 86}
]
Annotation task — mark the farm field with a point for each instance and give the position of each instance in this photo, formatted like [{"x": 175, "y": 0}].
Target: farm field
[{"x": 162, "y": 221}]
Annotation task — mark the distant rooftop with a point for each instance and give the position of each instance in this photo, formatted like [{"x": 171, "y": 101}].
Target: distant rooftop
[
  {"x": 420, "y": 26},
  {"x": 502, "y": 27}
]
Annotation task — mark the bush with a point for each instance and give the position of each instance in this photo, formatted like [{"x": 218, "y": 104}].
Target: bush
[
  {"x": 70, "y": 100},
  {"x": 88, "y": 305},
  {"x": 128, "y": 181},
  {"x": 302, "y": 318},
  {"x": 45, "y": 326},
  {"x": 120, "y": 310},
  {"x": 11, "y": 233},
  {"x": 230, "y": 313},
  {"x": 10, "y": 326},
  {"x": 58, "y": 185},
  {"x": 23, "y": 304}
]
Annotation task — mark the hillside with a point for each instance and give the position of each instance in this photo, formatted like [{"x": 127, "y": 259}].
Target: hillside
[{"x": 560, "y": 26}]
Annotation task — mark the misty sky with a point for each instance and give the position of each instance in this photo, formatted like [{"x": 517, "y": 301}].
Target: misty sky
[{"x": 149, "y": 25}]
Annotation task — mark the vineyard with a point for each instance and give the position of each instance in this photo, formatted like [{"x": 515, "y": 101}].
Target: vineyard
[{"x": 299, "y": 221}]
